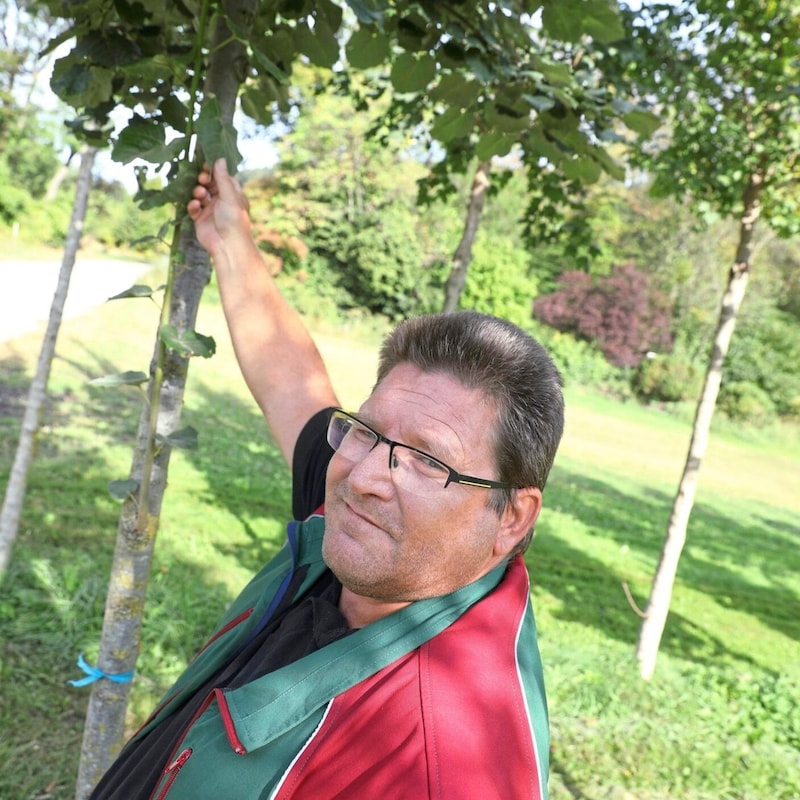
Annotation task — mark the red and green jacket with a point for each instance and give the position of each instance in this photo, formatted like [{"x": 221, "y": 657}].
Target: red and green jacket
[{"x": 443, "y": 699}]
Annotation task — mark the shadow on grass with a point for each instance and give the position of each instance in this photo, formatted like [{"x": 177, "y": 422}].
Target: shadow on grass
[
  {"x": 590, "y": 591},
  {"x": 244, "y": 471},
  {"x": 52, "y": 597}
]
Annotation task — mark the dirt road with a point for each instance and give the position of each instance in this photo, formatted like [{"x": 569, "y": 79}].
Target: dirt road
[{"x": 27, "y": 288}]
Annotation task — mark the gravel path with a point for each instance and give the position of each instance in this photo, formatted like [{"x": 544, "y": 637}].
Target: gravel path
[{"x": 27, "y": 288}]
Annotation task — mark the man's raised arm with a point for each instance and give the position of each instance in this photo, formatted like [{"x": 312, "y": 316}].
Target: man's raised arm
[{"x": 279, "y": 360}]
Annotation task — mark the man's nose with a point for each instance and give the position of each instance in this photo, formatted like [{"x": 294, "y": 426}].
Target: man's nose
[{"x": 372, "y": 475}]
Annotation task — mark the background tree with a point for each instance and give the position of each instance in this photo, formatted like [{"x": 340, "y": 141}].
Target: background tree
[
  {"x": 498, "y": 82},
  {"x": 726, "y": 73},
  {"x": 14, "y": 494},
  {"x": 27, "y": 132}
]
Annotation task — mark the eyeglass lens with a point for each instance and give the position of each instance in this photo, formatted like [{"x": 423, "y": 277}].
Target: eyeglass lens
[{"x": 410, "y": 469}]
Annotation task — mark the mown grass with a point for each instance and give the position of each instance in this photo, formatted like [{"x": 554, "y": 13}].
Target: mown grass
[{"x": 719, "y": 720}]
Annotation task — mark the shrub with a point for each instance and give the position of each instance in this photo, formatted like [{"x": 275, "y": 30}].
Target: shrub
[
  {"x": 499, "y": 281},
  {"x": 580, "y": 362},
  {"x": 665, "y": 379},
  {"x": 622, "y": 312},
  {"x": 765, "y": 352},
  {"x": 746, "y": 402},
  {"x": 46, "y": 222}
]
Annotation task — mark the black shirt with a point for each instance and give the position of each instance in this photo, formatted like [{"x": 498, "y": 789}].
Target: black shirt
[{"x": 295, "y": 630}]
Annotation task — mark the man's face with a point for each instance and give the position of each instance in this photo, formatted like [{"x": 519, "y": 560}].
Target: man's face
[{"x": 387, "y": 544}]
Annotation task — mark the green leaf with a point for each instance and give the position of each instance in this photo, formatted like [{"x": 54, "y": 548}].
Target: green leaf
[
  {"x": 138, "y": 290},
  {"x": 452, "y": 124},
  {"x": 269, "y": 66},
  {"x": 80, "y": 84},
  {"x": 494, "y": 143},
  {"x": 367, "y": 48},
  {"x": 145, "y": 139},
  {"x": 479, "y": 67},
  {"x": 642, "y": 122},
  {"x": 129, "y": 378},
  {"x": 216, "y": 137},
  {"x": 107, "y": 48},
  {"x": 546, "y": 148},
  {"x": 185, "y": 438},
  {"x": 583, "y": 169},
  {"x": 174, "y": 113},
  {"x": 412, "y": 73},
  {"x": 122, "y": 490},
  {"x": 507, "y": 123},
  {"x": 456, "y": 91},
  {"x": 563, "y": 21},
  {"x": 615, "y": 170},
  {"x": 602, "y": 22},
  {"x": 330, "y": 12},
  {"x": 178, "y": 190},
  {"x": 257, "y": 104},
  {"x": 540, "y": 102},
  {"x": 189, "y": 344},
  {"x": 320, "y": 44},
  {"x": 555, "y": 74}
]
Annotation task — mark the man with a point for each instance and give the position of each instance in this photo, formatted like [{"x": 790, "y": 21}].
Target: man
[{"x": 389, "y": 650}]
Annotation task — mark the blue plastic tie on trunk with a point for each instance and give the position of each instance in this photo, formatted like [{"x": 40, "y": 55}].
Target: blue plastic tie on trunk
[{"x": 94, "y": 674}]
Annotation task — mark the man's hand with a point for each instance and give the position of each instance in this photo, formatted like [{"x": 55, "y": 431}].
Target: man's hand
[
  {"x": 219, "y": 209},
  {"x": 275, "y": 351}
]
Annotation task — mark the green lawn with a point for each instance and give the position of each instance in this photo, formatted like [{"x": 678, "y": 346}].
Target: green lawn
[{"x": 719, "y": 720}]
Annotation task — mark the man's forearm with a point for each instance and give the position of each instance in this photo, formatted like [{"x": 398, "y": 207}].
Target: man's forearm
[{"x": 275, "y": 351}]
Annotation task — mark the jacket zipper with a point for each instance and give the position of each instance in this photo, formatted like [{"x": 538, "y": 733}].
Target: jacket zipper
[
  {"x": 227, "y": 721},
  {"x": 174, "y": 767},
  {"x": 229, "y": 627},
  {"x": 172, "y": 771}
]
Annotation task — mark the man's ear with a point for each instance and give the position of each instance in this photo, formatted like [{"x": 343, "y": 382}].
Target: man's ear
[{"x": 517, "y": 519}]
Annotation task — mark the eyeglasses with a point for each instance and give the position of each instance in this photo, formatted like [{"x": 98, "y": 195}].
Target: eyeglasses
[{"x": 411, "y": 469}]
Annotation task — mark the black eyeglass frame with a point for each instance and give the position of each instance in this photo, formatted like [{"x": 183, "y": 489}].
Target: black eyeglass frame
[{"x": 453, "y": 475}]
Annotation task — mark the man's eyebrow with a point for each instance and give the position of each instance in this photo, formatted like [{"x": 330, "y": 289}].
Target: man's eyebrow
[{"x": 437, "y": 449}]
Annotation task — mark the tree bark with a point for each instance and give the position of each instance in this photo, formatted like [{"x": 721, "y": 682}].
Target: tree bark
[
  {"x": 661, "y": 591},
  {"x": 37, "y": 394},
  {"x": 463, "y": 254},
  {"x": 54, "y": 184},
  {"x": 139, "y": 519}
]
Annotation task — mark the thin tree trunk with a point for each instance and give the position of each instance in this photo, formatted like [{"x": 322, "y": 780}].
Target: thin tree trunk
[
  {"x": 37, "y": 394},
  {"x": 54, "y": 184},
  {"x": 661, "y": 591},
  {"x": 463, "y": 254},
  {"x": 138, "y": 524}
]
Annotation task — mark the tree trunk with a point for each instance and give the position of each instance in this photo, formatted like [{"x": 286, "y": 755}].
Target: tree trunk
[
  {"x": 54, "y": 184},
  {"x": 463, "y": 254},
  {"x": 661, "y": 590},
  {"x": 138, "y": 524},
  {"x": 37, "y": 394}
]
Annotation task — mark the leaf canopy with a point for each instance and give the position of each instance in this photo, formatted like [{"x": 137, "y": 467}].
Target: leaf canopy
[{"x": 480, "y": 78}]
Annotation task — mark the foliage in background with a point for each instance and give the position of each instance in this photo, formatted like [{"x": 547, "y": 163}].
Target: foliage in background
[
  {"x": 502, "y": 279},
  {"x": 668, "y": 378},
  {"x": 621, "y": 312},
  {"x": 762, "y": 377}
]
